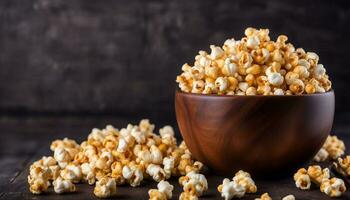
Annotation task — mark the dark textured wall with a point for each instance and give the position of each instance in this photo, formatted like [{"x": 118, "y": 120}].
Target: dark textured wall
[{"x": 121, "y": 57}]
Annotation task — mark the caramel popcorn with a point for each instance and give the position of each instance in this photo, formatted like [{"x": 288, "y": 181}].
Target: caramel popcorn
[
  {"x": 241, "y": 183},
  {"x": 317, "y": 174},
  {"x": 264, "y": 196},
  {"x": 164, "y": 192},
  {"x": 344, "y": 164},
  {"x": 194, "y": 183},
  {"x": 333, "y": 187},
  {"x": 255, "y": 65},
  {"x": 187, "y": 196},
  {"x": 302, "y": 179},
  {"x": 231, "y": 189},
  {"x": 111, "y": 157},
  {"x": 63, "y": 186},
  {"x": 243, "y": 178},
  {"x": 334, "y": 146},
  {"x": 105, "y": 188}
]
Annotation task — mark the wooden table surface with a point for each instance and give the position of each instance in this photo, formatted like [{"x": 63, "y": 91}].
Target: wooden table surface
[{"x": 25, "y": 139}]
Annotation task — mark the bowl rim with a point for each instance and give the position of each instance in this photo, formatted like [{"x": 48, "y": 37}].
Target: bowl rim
[{"x": 178, "y": 91}]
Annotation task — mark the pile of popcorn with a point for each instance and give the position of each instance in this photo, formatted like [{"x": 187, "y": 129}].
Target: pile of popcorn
[
  {"x": 112, "y": 157},
  {"x": 255, "y": 65},
  {"x": 332, "y": 149},
  {"x": 333, "y": 187}
]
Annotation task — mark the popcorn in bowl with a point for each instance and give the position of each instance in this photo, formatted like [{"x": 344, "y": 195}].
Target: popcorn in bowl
[{"x": 255, "y": 65}]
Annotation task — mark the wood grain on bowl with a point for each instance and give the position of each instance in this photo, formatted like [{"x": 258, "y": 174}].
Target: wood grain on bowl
[{"x": 265, "y": 135}]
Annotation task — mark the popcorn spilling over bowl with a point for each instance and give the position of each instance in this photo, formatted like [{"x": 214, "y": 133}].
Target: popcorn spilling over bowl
[{"x": 255, "y": 104}]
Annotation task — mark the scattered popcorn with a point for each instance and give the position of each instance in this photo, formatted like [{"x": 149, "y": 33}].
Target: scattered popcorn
[
  {"x": 243, "y": 178},
  {"x": 255, "y": 65},
  {"x": 302, "y": 179},
  {"x": 289, "y": 197},
  {"x": 165, "y": 191},
  {"x": 334, "y": 146},
  {"x": 264, "y": 196},
  {"x": 111, "y": 157},
  {"x": 194, "y": 183},
  {"x": 333, "y": 187},
  {"x": 105, "y": 188},
  {"x": 187, "y": 196},
  {"x": 63, "y": 186},
  {"x": 156, "y": 195},
  {"x": 344, "y": 164},
  {"x": 317, "y": 174},
  {"x": 231, "y": 189}
]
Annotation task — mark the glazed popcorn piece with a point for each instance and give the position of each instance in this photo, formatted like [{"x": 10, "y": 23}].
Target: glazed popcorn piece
[
  {"x": 321, "y": 155},
  {"x": 105, "y": 188},
  {"x": 156, "y": 195},
  {"x": 187, "y": 196},
  {"x": 72, "y": 172},
  {"x": 264, "y": 196},
  {"x": 63, "y": 186},
  {"x": 231, "y": 189},
  {"x": 165, "y": 191},
  {"x": 333, "y": 187},
  {"x": 334, "y": 146},
  {"x": 194, "y": 183},
  {"x": 255, "y": 65},
  {"x": 38, "y": 178},
  {"x": 344, "y": 165},
  {"x": 289, "y": 197},
  {"x": 302, "y": 179},
  {"x": 317, "y": 174},
  {"x": 243, "y": 178}
]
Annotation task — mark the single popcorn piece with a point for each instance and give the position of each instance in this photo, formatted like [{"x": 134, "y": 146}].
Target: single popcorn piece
[
  {"x": 333, "y": 187},
  {"x": 187, "y": 196},
  {"x": 321, "y": 156},
  {"x": 38, "y": 178},
  {"x": 231, "y": 189},
  {"x": 302, "y": 179},
  {"x": 156, "y": 172},
  {"x": 156, "y": 195},
  {"x": 235, "y": 68},
  {"x": 88, "y": 173},
  {"x": 105, "y": 188},
  {"x": 334, "y": 146},
  {"x": 317, "y": 174},
  {"x": 289, "y": 197},
  {"x": 62, "y": 156},
  {"x": 243, "y": 178},
  {"x": 194, "y": 183},
  {"x": 63, "y": 186},
  {"x": 344, "y": 164},
  {"x": 133, "y": 175},
  {"x": 264, "y": 196},
  {"x": 165, "y": 191},
  {"x": 72, "y": 172}
]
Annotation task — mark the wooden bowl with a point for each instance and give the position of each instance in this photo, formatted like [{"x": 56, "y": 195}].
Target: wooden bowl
[{"x": 265, "y": 135}]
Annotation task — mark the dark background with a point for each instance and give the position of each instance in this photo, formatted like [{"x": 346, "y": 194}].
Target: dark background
[
  {"x": 119, "y": 58},
  {"x": 68, "y": 66}
]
